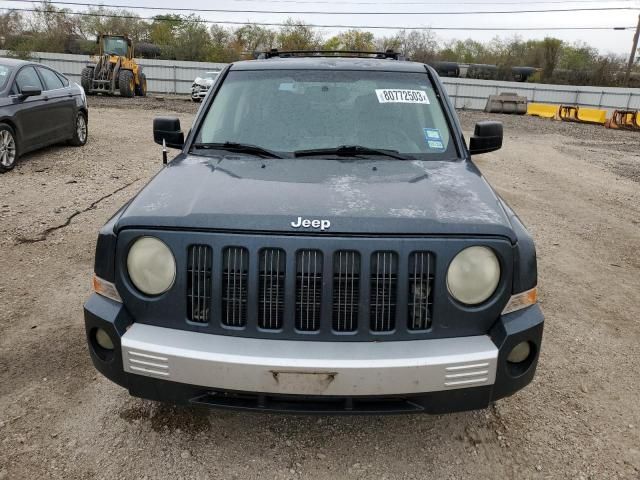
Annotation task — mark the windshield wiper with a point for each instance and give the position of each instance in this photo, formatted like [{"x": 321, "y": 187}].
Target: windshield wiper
[
  {"x": 350, "y": 151},
  {"x": 238, "y": 148}
]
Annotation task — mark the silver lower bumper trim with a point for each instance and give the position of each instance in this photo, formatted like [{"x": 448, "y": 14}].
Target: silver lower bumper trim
[{"x": 307, "y": 367}]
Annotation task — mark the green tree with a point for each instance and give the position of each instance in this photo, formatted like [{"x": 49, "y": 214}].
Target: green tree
[
  {"x": 551, "y": 48},
  {"x": 250, "y": 39},
  {"x": 10, "y": 27},
  {"x": 351, "y": 40},
  {"x": 297, "y": 35},
  {"x": 222, "y": 48},
  {"x": 465, "y": 51},
  {"x": 117, "y": 22},
  {"x": 51, "y": 28},
  {"x": 192, "y": 40}
]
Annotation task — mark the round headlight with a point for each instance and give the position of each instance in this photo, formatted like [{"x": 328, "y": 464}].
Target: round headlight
[
  {"x": 473, "y": 275},
  {"x": 151, "y": 266}
]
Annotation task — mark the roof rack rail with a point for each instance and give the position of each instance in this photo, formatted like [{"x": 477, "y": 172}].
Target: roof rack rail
[{"x": 275, "y": 53}]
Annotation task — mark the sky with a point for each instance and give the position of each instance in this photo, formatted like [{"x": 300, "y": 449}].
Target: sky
[{"x": 395, "y": 14}]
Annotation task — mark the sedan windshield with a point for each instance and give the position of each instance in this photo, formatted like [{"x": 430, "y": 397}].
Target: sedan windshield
[
  {"x": 346, "y": 113},
  {"x": 4, "y": 75}
]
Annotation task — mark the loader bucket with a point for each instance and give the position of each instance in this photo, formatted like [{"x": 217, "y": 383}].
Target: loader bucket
[
  {"x": 543, "y": 110},
  {"x": 568, "y": 113},
  {"x": 625, "y": 120}
]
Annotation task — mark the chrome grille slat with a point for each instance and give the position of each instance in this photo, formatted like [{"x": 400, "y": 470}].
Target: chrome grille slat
[
  {"x": 271, "y": 295},
  {"x": 346, "y": 285},
  {"x": 420, "y": 301},
  {"x": 308, "y": 290},
  {"x": 199, "y": 283},
  {"x": 384, "y": 269},
  {"x": 234, "y": 294}
]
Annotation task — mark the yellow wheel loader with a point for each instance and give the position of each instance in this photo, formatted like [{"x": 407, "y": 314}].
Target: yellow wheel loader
[{"x": 114, "y": 69}]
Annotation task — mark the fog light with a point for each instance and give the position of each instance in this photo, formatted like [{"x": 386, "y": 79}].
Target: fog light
[
  {"x": 103, "y": 339},
  {"x": 519, "y": 353}
]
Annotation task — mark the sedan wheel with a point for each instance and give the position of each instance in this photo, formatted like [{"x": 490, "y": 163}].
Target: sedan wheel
[
  {"x": 81, "y": 131},
  {"x": 7, "y": 149},
  {"x": 81, "y": 128}
]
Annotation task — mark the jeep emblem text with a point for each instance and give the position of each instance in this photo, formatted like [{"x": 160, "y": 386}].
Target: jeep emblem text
[{"x": 307, "y": 223}]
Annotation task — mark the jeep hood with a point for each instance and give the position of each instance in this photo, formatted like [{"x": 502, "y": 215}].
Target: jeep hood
[{"x": 358, "y": 196}]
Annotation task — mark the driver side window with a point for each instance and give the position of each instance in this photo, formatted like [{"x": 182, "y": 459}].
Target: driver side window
[{"x": 27, "y": 76}]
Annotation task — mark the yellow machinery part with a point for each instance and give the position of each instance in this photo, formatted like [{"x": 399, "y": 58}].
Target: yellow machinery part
[
  {"x": 568, "y": 113},
  {"x": 543, "y": 110},
  {"x": 571, "y": 113},
  {"x": 624, "y": 119}
]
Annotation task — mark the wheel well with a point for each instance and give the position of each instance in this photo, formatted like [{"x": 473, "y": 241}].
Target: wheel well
[
  {"x": 12, "y": 125},
  {"x": 15, "y": 130}
]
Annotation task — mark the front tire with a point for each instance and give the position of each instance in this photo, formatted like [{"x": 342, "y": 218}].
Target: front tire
[
  {"x": 141, "y": 90},
  {"x": 86, "y": 79},
  {"x": 126, "y": 83},
  {"x": 8, "y": 148},
  {"x": 81, "y": 131}
]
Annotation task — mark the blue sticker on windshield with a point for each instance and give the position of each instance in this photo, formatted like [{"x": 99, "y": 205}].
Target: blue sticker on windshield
[
  {"x": 434, "y": 139},
  {"x": 432, "y": 134}
]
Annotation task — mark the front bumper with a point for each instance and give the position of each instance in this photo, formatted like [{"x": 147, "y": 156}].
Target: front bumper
[
  {"x": 199, "y": 91},
  {"x": 282, "y": 375}
]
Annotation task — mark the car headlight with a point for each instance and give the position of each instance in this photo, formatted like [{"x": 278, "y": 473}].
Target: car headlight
[
  {"x": 473, "y": 275},
  {"x": 151, "y": 266}
]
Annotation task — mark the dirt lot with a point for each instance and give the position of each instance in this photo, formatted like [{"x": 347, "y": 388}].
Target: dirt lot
[{"x": 576, "y": 186}]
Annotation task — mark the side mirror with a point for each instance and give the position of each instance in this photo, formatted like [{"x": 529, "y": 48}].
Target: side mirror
[
  {"x": 487, "y": 137},
  {"x": 168, "y": 129},
  {"x": 29, "y": 91}
]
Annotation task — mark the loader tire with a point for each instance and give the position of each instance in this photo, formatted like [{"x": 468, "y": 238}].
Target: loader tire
[
  {"x": 86, "y": 79},
  {"x": 126, "y": 83},
  {"x": 141, "y": 90}
]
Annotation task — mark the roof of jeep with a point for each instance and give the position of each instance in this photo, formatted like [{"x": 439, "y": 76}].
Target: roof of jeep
[{"x": 329, "y": 63}]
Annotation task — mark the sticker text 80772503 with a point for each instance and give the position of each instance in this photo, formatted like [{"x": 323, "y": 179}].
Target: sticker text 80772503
[{"x": 390, "y": 95}]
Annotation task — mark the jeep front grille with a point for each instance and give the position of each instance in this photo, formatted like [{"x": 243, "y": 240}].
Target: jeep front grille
[
  {"x": 235, "y": 263},
  {"x": 346, "y": 289},
  {"x": 384, "y": 269},
  {"x": 271, "y": 295},
  {"x": 290, "y": 291},
  {"x": 199, "y": 283},
  {"x": 420, "y": 290},
  {"x": 308, "y": 289}
]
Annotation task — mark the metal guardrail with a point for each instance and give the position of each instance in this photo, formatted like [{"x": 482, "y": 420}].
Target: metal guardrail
[
  {"x": 473, "y": 94},
  {"x": 169, "y": 77}
]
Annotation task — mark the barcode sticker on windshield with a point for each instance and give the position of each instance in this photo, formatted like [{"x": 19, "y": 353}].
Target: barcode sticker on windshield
[{"x": 388, "y": 95}]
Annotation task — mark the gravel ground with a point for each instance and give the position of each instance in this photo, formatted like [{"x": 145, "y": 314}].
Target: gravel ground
[{"x": 576, "y": 186}]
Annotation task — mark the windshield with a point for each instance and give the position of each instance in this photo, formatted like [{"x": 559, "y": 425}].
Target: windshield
[
  {"x": 4, "y": 75},
  {"x": 115, "y": 46},
  {"x": 287, "y": 111}
]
